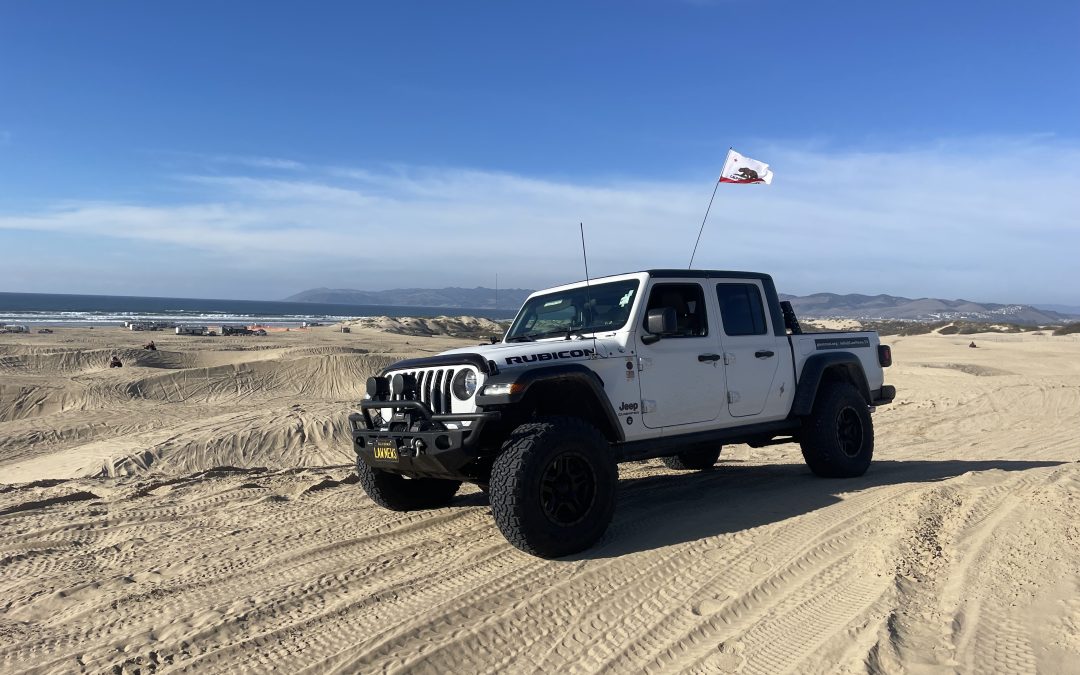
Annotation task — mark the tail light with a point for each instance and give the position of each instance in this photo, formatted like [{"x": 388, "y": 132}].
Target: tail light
[{"x": 884, "y": 355}]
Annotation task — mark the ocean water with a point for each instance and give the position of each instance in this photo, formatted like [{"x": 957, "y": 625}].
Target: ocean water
[{"x": 47, "y": 309}]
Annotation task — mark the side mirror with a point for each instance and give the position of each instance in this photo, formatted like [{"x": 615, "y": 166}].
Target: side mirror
[{"x": 659, "y": 322}]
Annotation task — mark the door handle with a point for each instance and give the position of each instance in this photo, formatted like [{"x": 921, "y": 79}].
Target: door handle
[
  {"x": 763, "y": 354},
  {"x": 708, "y": 357}
]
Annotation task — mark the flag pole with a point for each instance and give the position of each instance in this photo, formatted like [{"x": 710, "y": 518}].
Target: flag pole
[
  {"x": 707, "y": 209},
  {"x": 702, "y": 228}
]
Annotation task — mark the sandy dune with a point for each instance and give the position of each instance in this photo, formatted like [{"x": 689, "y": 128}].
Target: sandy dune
[
  {"x": 195, "y": 403},
  {"x": 459, "y": 326},
  {"x": 124, "y": 546}
]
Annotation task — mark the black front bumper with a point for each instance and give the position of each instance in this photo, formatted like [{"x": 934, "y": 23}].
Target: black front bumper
[{"x": 423, "y": 444}]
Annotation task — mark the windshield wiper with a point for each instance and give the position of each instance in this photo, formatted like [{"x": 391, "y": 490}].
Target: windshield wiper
[{"x": 532, "y": 337}]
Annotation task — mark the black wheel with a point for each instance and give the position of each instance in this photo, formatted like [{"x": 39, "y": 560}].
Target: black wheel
[
  {"x": 693, "y": 460},
  {"x": 552, "y": 488},
  {"x": 837, "y": 439},
  {"x": 398, "y": 493}
]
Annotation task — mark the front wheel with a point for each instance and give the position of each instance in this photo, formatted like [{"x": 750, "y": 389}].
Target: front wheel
[
  {"x": 837, "y": 439},
  {"x": 552, "y": 488},
  {"x": 398, "y": 493}
]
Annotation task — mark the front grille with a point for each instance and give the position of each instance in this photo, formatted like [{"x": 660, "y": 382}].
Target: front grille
[{"x": 433, "y": 385}]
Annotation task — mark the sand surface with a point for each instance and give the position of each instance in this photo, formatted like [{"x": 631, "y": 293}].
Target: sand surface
[{"x": 196, "y": 511}]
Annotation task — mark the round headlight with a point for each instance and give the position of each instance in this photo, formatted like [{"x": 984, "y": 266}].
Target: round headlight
[{"x": 464, "y": 384}]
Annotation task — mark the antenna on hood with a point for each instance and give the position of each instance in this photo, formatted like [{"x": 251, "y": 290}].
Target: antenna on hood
[
  {"x": 588, "y": 287},
  {"x": 583, "y": 254}
]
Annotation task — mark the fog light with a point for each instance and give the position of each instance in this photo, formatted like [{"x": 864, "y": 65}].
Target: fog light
[
  {"x": 403, "y": 384},
  {"x": 378, "y": 388},
  {"x": 502, "y": 389}
]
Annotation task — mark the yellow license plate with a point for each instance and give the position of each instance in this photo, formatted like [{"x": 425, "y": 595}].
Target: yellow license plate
[{"x": 386, "y": 448}]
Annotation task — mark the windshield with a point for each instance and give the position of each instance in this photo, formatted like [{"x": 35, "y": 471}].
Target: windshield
[{"x": 585, "y": 309}]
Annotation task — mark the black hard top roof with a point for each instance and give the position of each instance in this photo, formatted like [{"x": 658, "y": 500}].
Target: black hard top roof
[
  {"x": 686, "y": 274},
  {"x": 708, "y": 274}
]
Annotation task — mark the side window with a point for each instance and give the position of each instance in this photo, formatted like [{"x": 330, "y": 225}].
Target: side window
[
  {"x": 741, "y": 309},
  {"x": 688, "y": 300}
]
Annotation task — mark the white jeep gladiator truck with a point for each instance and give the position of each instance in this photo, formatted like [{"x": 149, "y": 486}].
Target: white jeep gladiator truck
[{"x": 667, "y": 364}]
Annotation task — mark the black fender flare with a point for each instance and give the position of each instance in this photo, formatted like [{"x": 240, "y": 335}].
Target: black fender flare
[
  {"x": 522, "y": 380},
  {"x": 814, "y": 371}
]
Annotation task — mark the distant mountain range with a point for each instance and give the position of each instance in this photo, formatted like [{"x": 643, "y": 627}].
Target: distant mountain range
[
  {"x": 1071, "y": 310},
  {"x": 452, "y": 297},
  {"x": 855, "y": 306},
  {"x": 816, "y": 306}
]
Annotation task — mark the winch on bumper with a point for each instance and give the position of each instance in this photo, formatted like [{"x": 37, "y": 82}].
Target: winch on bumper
[{"x": 416, "y": 441}]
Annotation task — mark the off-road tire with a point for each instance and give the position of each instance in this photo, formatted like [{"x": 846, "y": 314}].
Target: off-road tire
[
  {"x": 398, "y": 493},
  {"x": 552, "y": 488},
  {"x": 693, "y": 460},
  {"x": 837, "y": 439}
]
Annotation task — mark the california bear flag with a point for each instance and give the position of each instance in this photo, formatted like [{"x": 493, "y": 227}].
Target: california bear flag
[{"x": 739, "y": 169}]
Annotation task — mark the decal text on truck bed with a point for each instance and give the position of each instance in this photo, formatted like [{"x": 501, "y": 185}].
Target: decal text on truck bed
[{"x": 841, "y": 343}]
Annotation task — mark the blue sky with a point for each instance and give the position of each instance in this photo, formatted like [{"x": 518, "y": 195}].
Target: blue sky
[{"x": 252, "y": 150}]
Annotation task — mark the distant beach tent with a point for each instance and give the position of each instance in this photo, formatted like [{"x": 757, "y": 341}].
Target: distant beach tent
[{"x": 739, "y": 169}]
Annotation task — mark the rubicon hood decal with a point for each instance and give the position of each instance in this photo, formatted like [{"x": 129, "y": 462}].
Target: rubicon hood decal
[
  {"x": 521, "y": 354},
  {"x": 550, "y": 356}
]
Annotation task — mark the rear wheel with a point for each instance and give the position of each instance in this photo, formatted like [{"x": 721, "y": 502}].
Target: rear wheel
[
  {"x": 398, "y": 493},
  {"x": 837, "y": 439},
  {"x": 693, "y": 460},
  {"x": 552, "y": 488}
]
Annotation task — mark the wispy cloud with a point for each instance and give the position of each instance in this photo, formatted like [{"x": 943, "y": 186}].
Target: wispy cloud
[
  {"x": 258, "y": 162},
  {"x": 992, "y": 219},
  {"x": 224, "y": 161}
]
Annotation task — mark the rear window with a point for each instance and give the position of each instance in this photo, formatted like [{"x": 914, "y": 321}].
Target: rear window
[{"x": 741, "y": 309}]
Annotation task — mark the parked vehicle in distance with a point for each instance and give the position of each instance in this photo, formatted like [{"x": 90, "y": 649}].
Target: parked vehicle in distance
[
  {"x": 191, "y": 330},
  {"x": 149, "y": 325},
  {"x": 236, "y": 330},
  {"x": 664, "y": 364}
]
